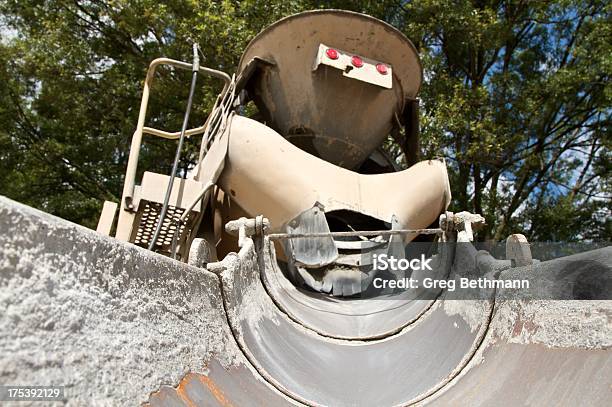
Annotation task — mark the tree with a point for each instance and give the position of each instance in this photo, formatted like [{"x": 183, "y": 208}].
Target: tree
[
  {"x": 518, "y": 101},
  {"x": 516, "y": 98}
]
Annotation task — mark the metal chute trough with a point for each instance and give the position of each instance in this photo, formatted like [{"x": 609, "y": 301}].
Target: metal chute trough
[{"x": 258, "y": 287}]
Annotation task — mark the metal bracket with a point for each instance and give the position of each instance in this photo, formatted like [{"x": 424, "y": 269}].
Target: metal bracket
[
  {"x": 244, "y": 228},
  {"x": 518, "y": 250},
  {"x": 464, "y": 223},
  {"x": 367, "y": 72},
  {"x": 313, "y": 251}
]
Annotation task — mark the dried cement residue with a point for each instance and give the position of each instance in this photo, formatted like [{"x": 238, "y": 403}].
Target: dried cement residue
[
  {"x": 247, "y": 301},
  {"x": 473, "y": 312},
  {"x": 562, "y": 323},
  {"x": 109, "y": 321}
]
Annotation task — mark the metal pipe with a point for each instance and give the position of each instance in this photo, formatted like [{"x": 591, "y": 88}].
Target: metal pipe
[
  {"x": 177, "y": 157},
  {"x": 278, "y": 236},
  {"x": 130, "y": 175},
  {"x": 175, "y": 135}
]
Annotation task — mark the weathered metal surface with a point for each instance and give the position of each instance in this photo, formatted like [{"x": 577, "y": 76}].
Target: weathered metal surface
[
  {"x": 260, "y": 160},
  {"x": 310, "y": 107},
  {"x": 74, "y": 300},
  {"x": 367, "y": 318},
  {"x": 233, "y": 387},
  {"x": 344, "y": 317},
  {"x": 533, "y": 375},
  {"x": 518, "y": 250},
  {"x": 310, "y": 250},
  {"x": 200, "y": 253},
  {"x": 365, "y": 69},
  {"x": 110, "y": 321},
  {"x": 582, "y": 276},
  {"x": 107, "y": 217},
  {"x": 539, "y": 352},
  {"x": 543, "y": 346},
  {"x": 322, "y": 371}
]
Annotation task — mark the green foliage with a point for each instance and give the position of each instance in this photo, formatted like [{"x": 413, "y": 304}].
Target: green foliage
[
  {"x": 518, "y": 101},
  {"x": 516, "y": 98}
]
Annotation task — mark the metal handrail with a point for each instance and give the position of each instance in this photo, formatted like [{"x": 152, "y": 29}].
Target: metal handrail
[
  {"x": 175, "y": 135},
  {"x": 130, "y": 175}
]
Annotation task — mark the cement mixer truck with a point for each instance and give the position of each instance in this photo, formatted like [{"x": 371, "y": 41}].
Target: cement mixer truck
[
  {"x": 313, "y": 163},
  {"x": 296, "y": 264}
]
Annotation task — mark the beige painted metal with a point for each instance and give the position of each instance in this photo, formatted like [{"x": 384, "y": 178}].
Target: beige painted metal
[
  {"x": 265, "y": 174},
  {"x": 107, "y": 217},
  {"x": 337, "y": 118},
  {"x": 214, "y": 144},
  {"x": 127, "y": 213},
  {"x": 183, "y": 218},
  {"x": 184, "y": 191},
  {"x": 175, "y": 135},
  {"x": 197, "y": 202},
  {"x": 126, "y": 220},
  {"x": 128, "y": 188}
]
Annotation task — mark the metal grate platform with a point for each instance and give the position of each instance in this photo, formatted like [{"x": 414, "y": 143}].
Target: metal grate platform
[{"x": 149, "y": 217}]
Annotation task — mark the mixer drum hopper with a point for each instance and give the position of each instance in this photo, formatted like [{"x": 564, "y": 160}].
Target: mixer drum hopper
[{"x": 332, "y": 107}]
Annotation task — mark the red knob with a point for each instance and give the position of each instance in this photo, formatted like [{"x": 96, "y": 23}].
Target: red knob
[
  {"x": 331, "y": 53},
  {"x": 382, "y": 69},
  {"x": 356, "y": 61}
]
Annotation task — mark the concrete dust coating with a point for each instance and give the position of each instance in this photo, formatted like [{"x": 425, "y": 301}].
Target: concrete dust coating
[
  {"x": 555, "y": 324},
  {"x": 539, "y": 353},
  {"x": 118, "y": 325},
  {"x": 110, "y": 321}
]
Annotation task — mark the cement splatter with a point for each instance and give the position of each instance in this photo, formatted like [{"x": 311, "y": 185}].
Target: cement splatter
[
  {"x": 562, "y": 323},
  {"x": 108, "y": 320}
]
